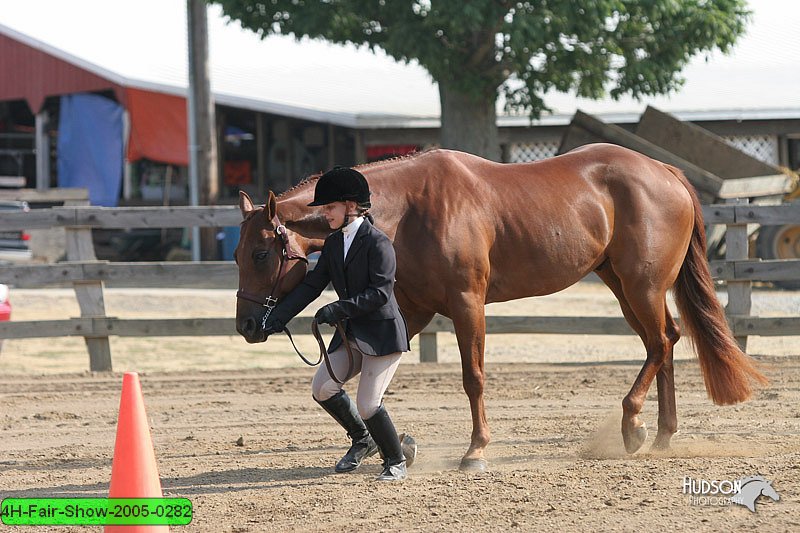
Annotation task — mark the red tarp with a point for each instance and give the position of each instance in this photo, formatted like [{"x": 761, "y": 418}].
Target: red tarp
[
  {"x": 158, "y": 127},
  {"x": 389, "y": 150}
]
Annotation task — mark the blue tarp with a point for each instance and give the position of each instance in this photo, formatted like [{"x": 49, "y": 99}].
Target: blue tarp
[{"x": 90, "y": 146}]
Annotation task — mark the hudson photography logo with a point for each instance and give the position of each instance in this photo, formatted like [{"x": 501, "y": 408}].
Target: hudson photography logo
[{"x": 720, "y": 492}]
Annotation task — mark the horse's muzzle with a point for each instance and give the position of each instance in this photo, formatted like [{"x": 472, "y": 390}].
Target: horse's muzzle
[{"x": 250, "y": 329}]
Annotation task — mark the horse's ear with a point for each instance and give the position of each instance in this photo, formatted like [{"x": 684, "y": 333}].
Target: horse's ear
[
  {"x": 272, "y": 206},
  {"x": 245, "y": 204}
]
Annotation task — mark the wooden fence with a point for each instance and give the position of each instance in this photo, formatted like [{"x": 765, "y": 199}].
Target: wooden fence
[{"x": 87, "y": 275}]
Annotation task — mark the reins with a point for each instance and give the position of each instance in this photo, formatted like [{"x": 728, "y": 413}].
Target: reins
[
  {"x": 323, "y": 352},
  {"x": 287, "y": 254}
]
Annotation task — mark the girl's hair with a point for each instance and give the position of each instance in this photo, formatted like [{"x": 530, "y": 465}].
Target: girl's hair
[{"x": 363, "y": 210}]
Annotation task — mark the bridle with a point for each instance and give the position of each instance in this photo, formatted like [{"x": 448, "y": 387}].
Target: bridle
[{"x": 287, "y": 254}]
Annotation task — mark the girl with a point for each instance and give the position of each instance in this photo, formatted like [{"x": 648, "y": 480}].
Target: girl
[{"x": 359, "y": 260}]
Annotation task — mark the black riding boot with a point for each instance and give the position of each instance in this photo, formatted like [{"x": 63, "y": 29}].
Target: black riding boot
[
  {"x": 342, "y": 409},
  {"x": 382, "y": 430}
]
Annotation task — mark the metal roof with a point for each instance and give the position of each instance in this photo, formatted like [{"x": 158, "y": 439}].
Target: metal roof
[{"x": 143, "y": 44}]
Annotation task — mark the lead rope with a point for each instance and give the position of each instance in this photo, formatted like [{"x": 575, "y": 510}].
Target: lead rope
[{"x": 323, "y": 353}]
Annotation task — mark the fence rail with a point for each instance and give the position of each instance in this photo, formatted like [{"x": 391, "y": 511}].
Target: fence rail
[
  {"x": 180, "y": 327},
  {"x": 87, "y": 275}
]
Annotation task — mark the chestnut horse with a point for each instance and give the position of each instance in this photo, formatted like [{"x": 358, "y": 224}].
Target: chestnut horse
[{"x": 468, "y": 232}]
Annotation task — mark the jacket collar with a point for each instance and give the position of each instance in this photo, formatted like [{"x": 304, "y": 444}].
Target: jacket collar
[
  {"x": 354, "y": 225},
  {"x": 363, "y": 229}
]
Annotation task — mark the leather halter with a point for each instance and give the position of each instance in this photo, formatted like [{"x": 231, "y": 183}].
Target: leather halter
[{"x": 287, "y": 254}]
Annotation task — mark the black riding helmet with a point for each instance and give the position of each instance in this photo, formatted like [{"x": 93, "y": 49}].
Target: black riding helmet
[{"x": 339, "y": 185}]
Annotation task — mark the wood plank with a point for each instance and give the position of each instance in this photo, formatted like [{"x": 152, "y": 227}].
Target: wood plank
[
  {"x": 769, "y": 215},
  {"x": 192, "y": 327},
  {"x": 158, "y": 217},
  {"x": 79, "y": 245},
  {"x": 90, "y": 297},
  {"x": 700, "y": 147},
  {"x": 172, "y": 327},
  {"x": 206, "y": 274},
  {"x": 45, "y": 196},
  {"x": 12, "y": 182},
  {"x": 220, "y": 216},
  {"x": 558, "y": 325},
  {"x": 595, "y": 325},
  {"x": 576, "y": 136},
  {"x": 439, "y": 323},
  {"x": 739, "y": 291},
  {"x": 722, "y": 269},
  {"x": 719, "y": 214},
  {"x": 140, "y": 327},
  {"x": 198, "y": 327},
  {"x": 700, "y": 178},
  {"x": 123, "y": 217},
  {"x": 756, "y": 270},
  {"x": 37, "y": 276},
  {"x": 428, "y": 350},
  {"x": 766, "y": 326},
  {"x": 42, "y": 329},
  {"x": 768, "y": 270},
  {"x": 37, "y": 218},
  {"x": 755, "y": 186}
]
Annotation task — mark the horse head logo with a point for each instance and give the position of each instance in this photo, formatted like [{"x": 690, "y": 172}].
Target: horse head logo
[{"x": 752, "y": 488}]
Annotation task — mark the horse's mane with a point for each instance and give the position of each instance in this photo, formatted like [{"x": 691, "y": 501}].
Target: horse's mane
[
  {"x": 745, "y": 480},
  {"x": 302, "y": 183},
  {"x": 314, "y": 177},
  {"x": 396, "y": 159}
]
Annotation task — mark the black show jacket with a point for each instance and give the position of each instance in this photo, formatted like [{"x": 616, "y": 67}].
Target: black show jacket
[{"x": 364, "y": 282}]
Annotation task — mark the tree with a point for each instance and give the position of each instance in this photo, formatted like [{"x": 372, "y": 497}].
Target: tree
[{"x": 481, "y": 50}]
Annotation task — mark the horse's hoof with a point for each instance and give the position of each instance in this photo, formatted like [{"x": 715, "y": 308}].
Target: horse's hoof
[
  {"x": 473, "y": 465},
  {"x": 409, "y": 446},
  {"x": 634, "y": 439},
  {"x": 661, "y": 444}
]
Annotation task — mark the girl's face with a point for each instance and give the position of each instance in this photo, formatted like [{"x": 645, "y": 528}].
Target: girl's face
[{"x": 334, "y": 212}]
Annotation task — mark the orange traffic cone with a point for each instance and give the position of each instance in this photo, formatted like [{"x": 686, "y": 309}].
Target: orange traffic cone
[{"x": 134, "y": 473}]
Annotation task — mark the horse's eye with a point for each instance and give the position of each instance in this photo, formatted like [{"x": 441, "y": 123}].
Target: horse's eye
[{"x": 261, "y": 255}]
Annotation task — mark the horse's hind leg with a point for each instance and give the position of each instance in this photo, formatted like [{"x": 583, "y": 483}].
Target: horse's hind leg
[
  {"x": 665, "y": 382},
  {"x": 648, "y": 303}
]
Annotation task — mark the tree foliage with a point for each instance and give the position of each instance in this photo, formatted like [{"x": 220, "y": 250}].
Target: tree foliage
[
  {"x": 481, "y": 49},
  {"x": 523, "y": 49}
]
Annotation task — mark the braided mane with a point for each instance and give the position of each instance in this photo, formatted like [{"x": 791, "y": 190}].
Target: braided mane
[
  {"x": 302, "y": 183},
  {"x": 314, "y": 177}
]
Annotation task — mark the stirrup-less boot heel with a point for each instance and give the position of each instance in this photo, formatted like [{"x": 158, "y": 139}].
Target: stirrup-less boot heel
[
  {"x": 382, "y": 430},
  {"x": 344, "y": 411}
]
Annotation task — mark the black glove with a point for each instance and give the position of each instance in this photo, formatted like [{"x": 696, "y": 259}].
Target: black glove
[
  {"x": 330, "y": 314},
  {"x": 273, "y": 325}
]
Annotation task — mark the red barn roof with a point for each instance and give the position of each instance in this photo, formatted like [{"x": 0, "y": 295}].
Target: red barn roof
[{"x": 39, "y": 73}]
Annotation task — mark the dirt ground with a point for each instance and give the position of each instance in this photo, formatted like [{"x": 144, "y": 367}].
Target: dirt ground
[{"x": 555, "y": 463}]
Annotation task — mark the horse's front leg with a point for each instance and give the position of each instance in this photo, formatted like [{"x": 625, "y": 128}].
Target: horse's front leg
[{"x": 470, "y": 327}]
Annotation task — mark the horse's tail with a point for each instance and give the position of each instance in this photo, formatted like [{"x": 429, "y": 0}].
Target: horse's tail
[{"x": 727, "y": 370}]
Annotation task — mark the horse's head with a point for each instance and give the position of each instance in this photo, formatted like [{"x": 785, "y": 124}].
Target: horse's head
[
  {"x": 769, "y": 491},
  {"x": 751, "y": 488},
  {"x": 270, "y": 265}
]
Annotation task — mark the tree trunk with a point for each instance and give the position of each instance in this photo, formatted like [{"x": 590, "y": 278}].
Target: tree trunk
[{"x": 469, "y": 123}]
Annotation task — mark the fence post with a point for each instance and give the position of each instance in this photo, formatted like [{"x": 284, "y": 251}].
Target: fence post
[
  {"x": 739, "y": 291},
  {"x": 90, "y": 296},
  {"x": 427, "y": 347}
]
